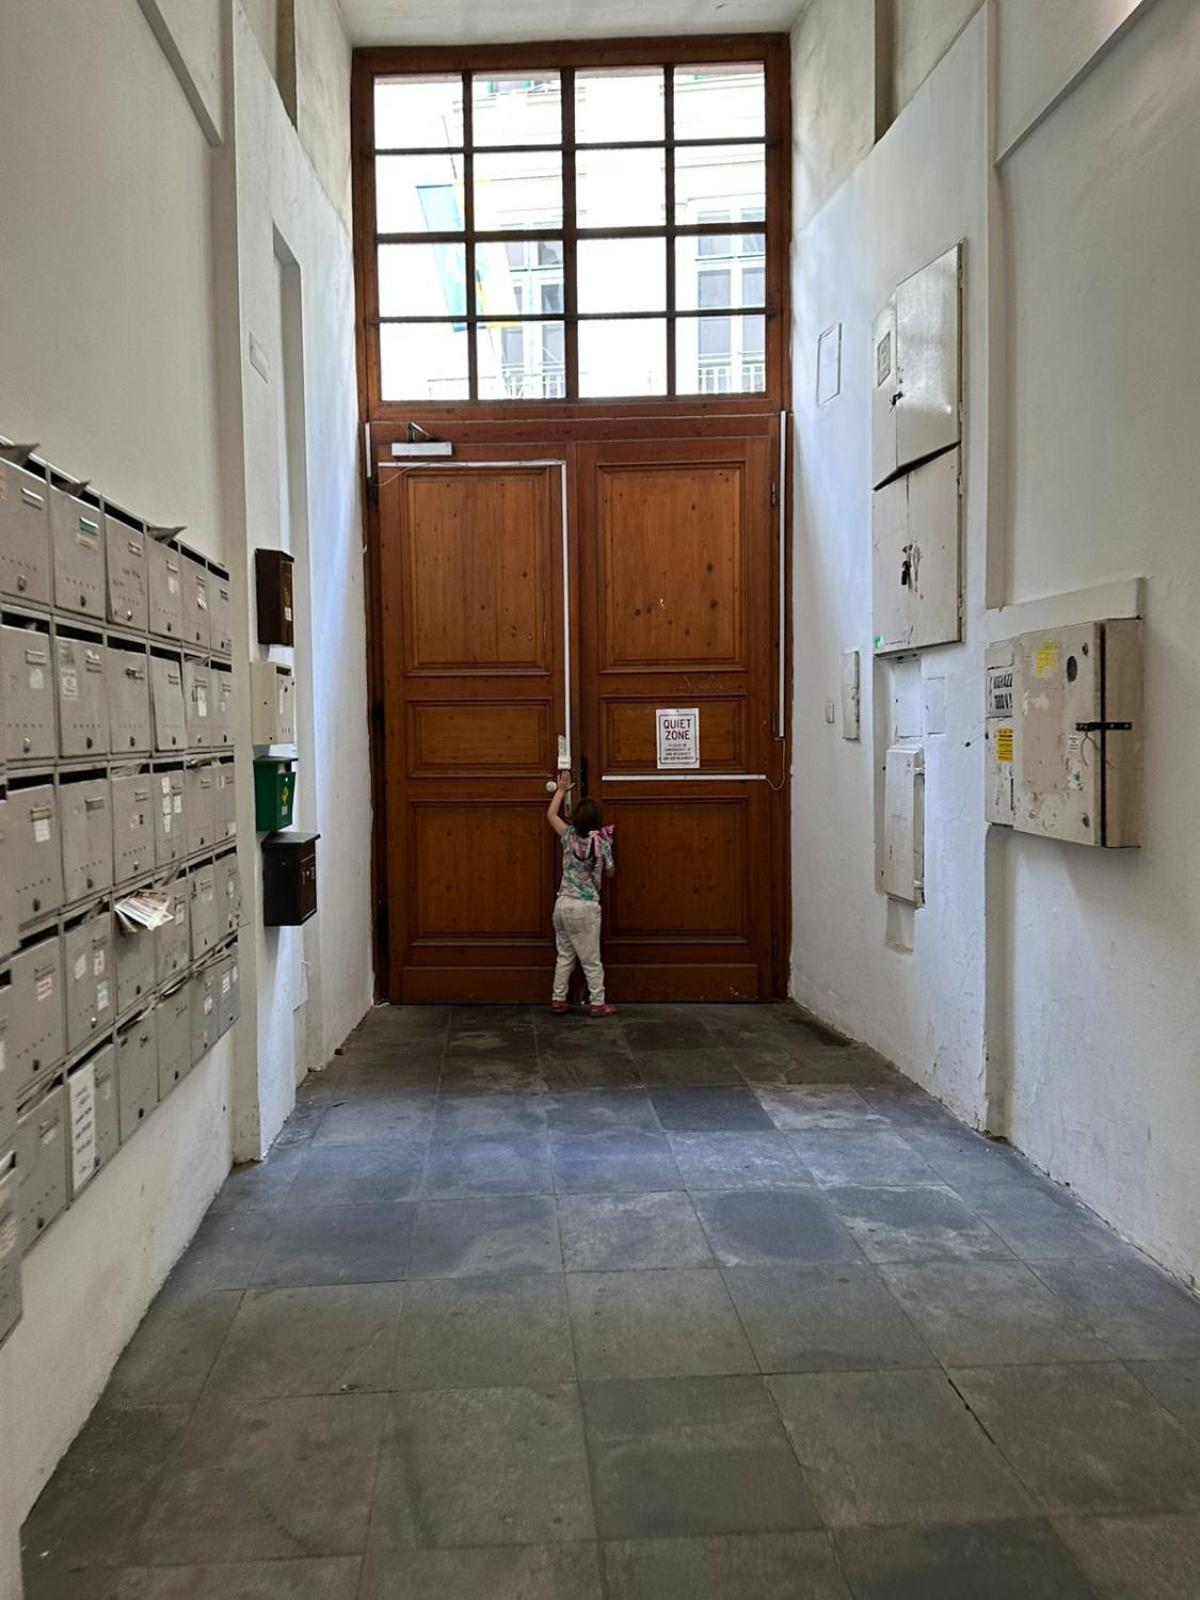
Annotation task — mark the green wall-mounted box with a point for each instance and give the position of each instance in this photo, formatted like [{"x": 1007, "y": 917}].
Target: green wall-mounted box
[{"x": 274, "y": 793}]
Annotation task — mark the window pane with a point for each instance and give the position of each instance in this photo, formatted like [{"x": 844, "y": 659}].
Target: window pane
[
  {"x": 418, "y": 112},
  {"x": 518, "y": 191},
  {"x": 622, "y": 274},
  {"x": 617, "y": 106},
  {"x": 754, "y": 286},
  {"x": 702, "y": 281},
  {"x": 517, "y": 108},
  {"x": 422, "y": 280},
  {"x": 622, "y": 359},
  {"x": 720, "y": 355},
  {"x": 551, "y": 297},
  {"x": 419, "y": 194},
  {"x": 731, "y": 177},
  {"x": 423, "y": 361},
  {"x": 508, "y": 278},
  {"x": 713, "y": 289},
  {"x": 620, "y": 188},
  {"x": 523, "y": 361},
  {"x": 722, "y": 102}
]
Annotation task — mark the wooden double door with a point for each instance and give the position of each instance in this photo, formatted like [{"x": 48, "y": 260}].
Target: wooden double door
[{"x": 539, "y": 601}]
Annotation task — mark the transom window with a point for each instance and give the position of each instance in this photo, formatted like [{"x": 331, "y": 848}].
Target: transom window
[{"x": 575, "y": 233}]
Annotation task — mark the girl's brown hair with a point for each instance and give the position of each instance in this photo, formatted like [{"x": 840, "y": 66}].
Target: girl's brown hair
[{"x": 586, "y": 818}]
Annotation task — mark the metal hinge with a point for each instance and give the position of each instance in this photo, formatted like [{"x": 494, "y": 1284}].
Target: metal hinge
[{"x": 774, "y": 494}]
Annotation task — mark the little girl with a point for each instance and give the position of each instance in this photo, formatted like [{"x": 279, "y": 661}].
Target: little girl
[{"x": 587, "y": 856}]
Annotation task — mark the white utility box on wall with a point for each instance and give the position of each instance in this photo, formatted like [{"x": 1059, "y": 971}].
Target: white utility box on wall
[
  {"x": 917, "y": 363},
  {"x": 1074, "y": 737},
  {"x": 917, "y": 562},
  {"x": 902, "y": 872},
  {"x": 272, "y": 703}
]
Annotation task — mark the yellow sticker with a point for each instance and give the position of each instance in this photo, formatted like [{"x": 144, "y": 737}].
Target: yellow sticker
[
  {"x": 1004, "y": 741},
  {"x": 1046, "y": 660}
]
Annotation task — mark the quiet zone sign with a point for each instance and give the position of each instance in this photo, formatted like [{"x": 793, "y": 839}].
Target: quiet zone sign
[{"x": 678, "y": 738}]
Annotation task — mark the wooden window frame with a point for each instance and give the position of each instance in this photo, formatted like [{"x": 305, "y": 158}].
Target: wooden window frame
[{"x": 772, "y": 50}]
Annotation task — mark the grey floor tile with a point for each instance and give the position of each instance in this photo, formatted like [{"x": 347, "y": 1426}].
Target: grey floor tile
[
  {"x": 748, "y": 1566},
  {"x": 505, "y": 1043},
  {"x": 515, "y": 1163},
  {"x": 606, "y": 1233},
  {"x": 584, "y": 1111},
  {"x": 1089, "y": 1440},
  {"x": 493, "y": 1072},
  {"x": 483, "y": 1466},
  {"x": 690, "y": 1067},
  {"x": 894, "y": 1447},
  {"x": 710, "y": 1110},
  {"x": 338, "y": 1244},
  {"x": 753, "y": 1227},
  {"x": 390, "y": 1064},
  {"x": 491, "y": 1332},
  {"x": 89, "y": 1511},
  {"x": 306, "y": 1118},
  {"x": 872, "y": 1156},
  {"x": 737, "y": 1161},
  {"x": 1137, "y": 1558},
  {"x": 609, "y": 1163},
  {"x": 1044, "y": 1224},
  {"x": 1176, "y": 1385},
  {"x": 358, "y": 1174},
  {"x": 334, "y": 1578},
  {"x": 510, "y": 1234},
  {"x": 906, "y": 1104},
  {"x": 1140, "y": 1313},
  {"x": 478, "y": 1116},
  {"x": 531, "y": 1572},
  {"x": 773, "y": 1063},
  {"x": 252, "y": 1479},
  {"x": 914, "y": 1223},
  {"x": 333, "y": 1339},
  {"x": 357, "y": 1116},
  {"x": 968, "y": 1162},
  {"x": 171, "y": 1355},
  {"x": 799, "y": 1108},
  {"x": 990, "y": 1313},
  {"x": 989, "y": 1561},
  {"x": 677, "y": 1322},
  {"x": 591, "y": 1069},
  {"x": 225, "y": 1250},
  {"x": 647, "y": 1036},
  {"x": 407, "y": 1022},
  {"x": 260, "y": 1184},
  {"x": 823, "y": 1318},
  {"x": 691, "y": 1456}
]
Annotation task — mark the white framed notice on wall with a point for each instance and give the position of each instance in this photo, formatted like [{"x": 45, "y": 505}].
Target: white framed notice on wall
[{"x": 678, "y": 739}]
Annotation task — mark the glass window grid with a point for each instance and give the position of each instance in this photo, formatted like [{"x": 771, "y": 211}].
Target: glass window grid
[{"x": 568, "y": 233}]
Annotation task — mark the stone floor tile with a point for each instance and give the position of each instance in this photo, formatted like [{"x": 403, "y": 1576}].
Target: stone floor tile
[
  {"x": 169, "y": 1358},
  {"x": 990, "y": 1313},
  {"x": 1044, "y": 1224},
  {"x": 752, "y": 1227},
  {"x": 509, "y": 1234},
  {"x": 333, "y": 1339},
  {"x": 689, "y": 1067},
  {"x": 334, "y": 1578},
  {"x": 337, "y": 1244},
  {"x": 823, "y": 1318},
  {"x": 490, "y": 1332},
  {"x": 378, "y": 1117},
  {"x": 587, "y": 1069},
  {"x": 1137, "y": 1558},
  {"x": 1176, "y": 1385},
  {"x": 607, "y": 1233},
  {"x": 601, "y": 1111},
  {"x": 873, "y": 1156},
  {"x": 670, "y": 1323},
  {"x": 1140, "y": 1313},
  {"x": 797, "y": 1108},
  {"x": 478, "y": 1116},
  {"x": 358, "y": 1174},
  {"x": 483, "y": 1466},
  {"x": 691, "y": 1456},
  {"x": 516, "y": 1163},
  {"x": 260, "y": 1184},
  {"x": 529, "y": 1572},
  {"x": 709, "y": 1110},
  {"x": 987, "y": 1561},
  {"x": 610, "y": 1163},
  {"x": 914, "y": 1223},
  {"x": 748, "y": 1566},
  {"x": 225, "y": 1250},
  {"x": 737, "y": 1161},
  {"x": 647, "y": 1036},
  {"x": 894, "y": 1447}
]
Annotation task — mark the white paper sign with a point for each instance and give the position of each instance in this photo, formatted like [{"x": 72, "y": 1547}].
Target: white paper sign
[
  {"x": 82, "y": 1092},
  {"x": 678, "y": 738}
]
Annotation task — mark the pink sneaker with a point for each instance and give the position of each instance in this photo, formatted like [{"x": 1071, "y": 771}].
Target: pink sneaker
[
  {"x": 604, "y": 1011},
  {"x": 560, "y": 1006}
]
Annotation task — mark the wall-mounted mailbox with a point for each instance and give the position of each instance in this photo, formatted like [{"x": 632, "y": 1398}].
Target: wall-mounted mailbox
[
  {"x": 10, "y": 1245},
  {"x": 273, "y": 583},
  {"x": 41, "y": 1164},
  {"x": 24, "y": 534},
  {"x": 289, "y": 878},
  {"x": 274, "y": 793},
  {"x": 272, "y": 716}
]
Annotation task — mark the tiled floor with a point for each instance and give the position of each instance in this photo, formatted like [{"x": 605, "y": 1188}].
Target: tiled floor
[{"x": 691, "y": 1305}]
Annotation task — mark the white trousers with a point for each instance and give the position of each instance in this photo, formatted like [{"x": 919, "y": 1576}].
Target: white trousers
[{"x": 577, "y": 938}]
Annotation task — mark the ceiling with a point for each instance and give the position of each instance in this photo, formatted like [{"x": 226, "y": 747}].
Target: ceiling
[{"x": 511, "y": 21}]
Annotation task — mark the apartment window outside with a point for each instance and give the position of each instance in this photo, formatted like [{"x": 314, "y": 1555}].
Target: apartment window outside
[{"x": 569, "y": 234}]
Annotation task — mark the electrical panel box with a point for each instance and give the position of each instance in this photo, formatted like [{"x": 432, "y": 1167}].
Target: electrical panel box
[
  {"x": 204, "y": 913},
  {"x": 198, "y": 703},
  {"x": 903, "y": 869},
  {"x": 197, "y": 629},
  {"x": 24, "y": 534},
  {"x": 226, "y": 801},
  {"x": 222, "y": 708},
  {"x": 128, "y": 594},
  {"x": 41, "y": 1152},
  {"x": 77, "y": 550},
  {"x": 229, "y": 894},
  {"x": 133, "y": 824},
  {"x": 289, "y": 878},
  {"x": 135, "y": 953},
  {"x": 229, "y": 993},
  {"x": 272, "y": 703},
  {"x": 164, "y": 579},
  {"x": 87, "y": 836},
  {"x": 200, "y": 806},
  {"x": 137, "y": 1072},
  {"x": 917, "y": 366},
  {"x": 173, "y": 1021},
  {"x": 220, "y": 611},
  {"x": 173, "y": 941},
  {"x": 33, "y": 860},
  {"x": 10, "y": 1240},
  {"x": 204, "y": 997},
  {"x": 88, "y": 962},
  {"x": 130, "y": 725},
  {"x": 82, "y": 692},
  {"x": 37, "y": 1039},
  {"x": 273, "y": 572},
  {"x": 917, "y": 561},
  {"x": 93, "y": 1120},
  {"x": 27, "y": 721},
  {"x": 166, "y": 701},
  {"x": 170, "y": 821},
  {"x": 1075, "y": 746},
  {"x": 274, "y": 793}
]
